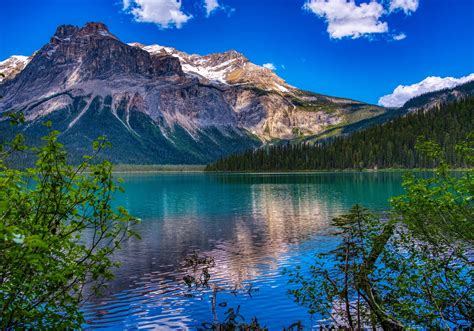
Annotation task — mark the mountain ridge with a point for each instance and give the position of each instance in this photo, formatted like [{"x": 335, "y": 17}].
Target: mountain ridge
[{"x": 170, "y": 106}]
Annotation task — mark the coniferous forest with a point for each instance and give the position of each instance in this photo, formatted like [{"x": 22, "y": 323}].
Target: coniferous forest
[{"x": 391, "y": 145}]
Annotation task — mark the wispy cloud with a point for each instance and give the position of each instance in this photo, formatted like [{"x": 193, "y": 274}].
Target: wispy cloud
[
  {"x": 399, "y": 36},
  {"x": 164, "y": 13},
  {"x": 403, "y": 93}
]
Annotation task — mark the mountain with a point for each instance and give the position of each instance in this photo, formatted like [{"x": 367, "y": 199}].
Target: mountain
[
  {"x": 381, "y": 146},
  {"x": 157, "y": 104},
  {"x": 425, "y": 102},
  {"x": 436, "y": 99}
]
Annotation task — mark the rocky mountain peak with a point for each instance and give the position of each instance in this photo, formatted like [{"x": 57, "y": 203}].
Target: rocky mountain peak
[
  {"x": 65, "y": 31},
  {"x": 138, "y": 45},
  {"x": 76, "y": 55},
  {"x": 229, "y": 59},
  {"x": 90, "y": 30},
  {"x": 229, "y": 55},
  {"x": 95, "y": 27}
]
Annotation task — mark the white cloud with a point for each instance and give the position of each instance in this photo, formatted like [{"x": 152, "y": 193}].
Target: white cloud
[
  {"x": 399, "y": 36},
  {"x": 164, "y": 13},
  {"x": 210, "y": 6},
  {"x": 403, "y": 93},
  {"x": 408, "y": 6},
  {"x": 347, "y": 19},
  {"x": 270, "y": 66}
]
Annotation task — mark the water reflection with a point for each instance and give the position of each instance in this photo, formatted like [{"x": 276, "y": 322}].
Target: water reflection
[{"x": 253, "y": 225}]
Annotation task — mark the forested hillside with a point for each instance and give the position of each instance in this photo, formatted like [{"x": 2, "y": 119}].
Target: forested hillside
[{"x": 391, "y": 145}]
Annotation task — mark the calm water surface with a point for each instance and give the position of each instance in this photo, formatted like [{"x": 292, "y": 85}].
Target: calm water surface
[{"x": 253, "y": 225}]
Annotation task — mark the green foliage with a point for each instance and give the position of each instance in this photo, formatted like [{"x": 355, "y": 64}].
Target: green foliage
[
  {"x": 58, "y": 231},
  {"x": 437, "y": 270},
  {"x": 440, "y": 209},
  {"x": 391, "y": 145},
  {"x": 340, "y": 286},
  {"x": 413, "y": 269}
]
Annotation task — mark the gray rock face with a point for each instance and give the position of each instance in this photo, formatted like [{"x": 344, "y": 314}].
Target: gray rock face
[
  {"x": 77, "y": 55},
  {"x": 86, "y": 72}
]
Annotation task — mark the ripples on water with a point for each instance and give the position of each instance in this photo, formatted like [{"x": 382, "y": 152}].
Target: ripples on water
[{"x": 254, "y": 226}]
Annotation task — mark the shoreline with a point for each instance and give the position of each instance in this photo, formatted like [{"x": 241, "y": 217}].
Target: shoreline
[
  {"x": 157, "y": 168},
  {"x": 201, "y": 169}
]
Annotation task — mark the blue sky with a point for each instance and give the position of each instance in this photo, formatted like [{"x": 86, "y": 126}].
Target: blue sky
[{"x": 337, "y": 47}]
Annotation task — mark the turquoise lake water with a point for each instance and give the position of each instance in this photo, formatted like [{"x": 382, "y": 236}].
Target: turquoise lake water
[{"x": 253, "y": 225}]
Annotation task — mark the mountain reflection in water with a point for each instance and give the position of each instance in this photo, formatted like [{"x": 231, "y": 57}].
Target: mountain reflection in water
[{"x": 253, "y": 225}]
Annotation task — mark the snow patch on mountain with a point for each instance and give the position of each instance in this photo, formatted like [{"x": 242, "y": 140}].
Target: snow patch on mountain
[
  {"x": 10, "y": 67},
  {"x": 193, "y": 64}
]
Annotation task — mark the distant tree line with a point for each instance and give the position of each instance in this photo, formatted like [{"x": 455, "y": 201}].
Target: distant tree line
[{"x": 391, "y": 145}]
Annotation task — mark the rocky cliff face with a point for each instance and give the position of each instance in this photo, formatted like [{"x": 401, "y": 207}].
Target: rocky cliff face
[{"x": 158, "y": 104}]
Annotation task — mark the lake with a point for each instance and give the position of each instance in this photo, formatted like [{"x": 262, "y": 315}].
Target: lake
[{"x": 253, "y": 225}]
